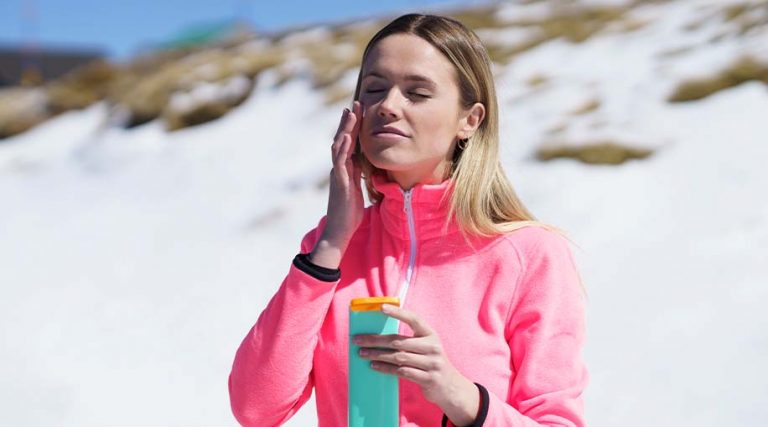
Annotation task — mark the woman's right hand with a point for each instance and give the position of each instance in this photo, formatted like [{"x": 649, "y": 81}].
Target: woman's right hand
[{"x": 345, "y": 198}]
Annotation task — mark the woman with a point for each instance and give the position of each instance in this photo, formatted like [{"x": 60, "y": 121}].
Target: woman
[{"x": 492, "y": 318}]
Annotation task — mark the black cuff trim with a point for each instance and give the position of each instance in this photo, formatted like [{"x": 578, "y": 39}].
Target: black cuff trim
[
  {"x": 482, "y": 414},
  {"x": 302, "y": 262}
]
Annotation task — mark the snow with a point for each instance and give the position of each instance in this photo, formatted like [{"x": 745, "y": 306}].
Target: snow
[{"x": 135, "y": 261}]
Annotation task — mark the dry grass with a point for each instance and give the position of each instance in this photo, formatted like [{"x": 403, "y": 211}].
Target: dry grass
[
  {"x": 675, "y": 52},
  {"x": 747, "y": 16},
  {"x": 145, "y": 85},
  {"x": 598, "y": 153},
  {"x": 332, "y": 61},
  {"x": 284, "y": 75},
  {"x": 537, "y": 80},
  {"x": 734, "y": 11},
  {"x": 477, "y": 18},
  {"x": 145, "y": 96},
  {"x": 338, "y": 93},
  {"x": 588, "y": 107},
  {"x": 740, "y": 71},
  {"x": 202, "y": 114},
  {"x": 328, "y": 66},
  {"x": 557, "y": 129},
  {"x": 21, "y": 109},
  {"x": 629, "y": 25},
  {"x": 232, "y": 93},
  {"x": 81, "y": 87},
  {"x": 571, "y": 22},
  {"x": 146, "y": 89},
  {"x": 9, "y": 128}
]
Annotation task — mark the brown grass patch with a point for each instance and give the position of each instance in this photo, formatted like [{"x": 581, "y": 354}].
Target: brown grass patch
[
  {"x": 81, "y": 87},
  {"x": 629, "y": 25},
  {"x": 480, "y": 17},
  {"x": 21, "y": 109},
  {"x": 230, "y": 94},
  {"x": 146, "y": 91},
  {"x": 732, "y": 12},
  {"x": 747, "y": 16},
  {"x": 740, "y": 71},
  {"x": 598, "y": 153},
  {"x": 574, "y": 23},
  {"x": 15, "y": 127},
  {"x": 536, "y": 80},
  {"x": 588, "y": 107},
  {"x": 202, "y": 114},
  {"x": 557, "y": 129},
  {"x": 338, "y": 93}
]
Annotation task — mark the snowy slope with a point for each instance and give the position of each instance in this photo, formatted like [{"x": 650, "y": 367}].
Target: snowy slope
[{"x": 133, "y": 262}]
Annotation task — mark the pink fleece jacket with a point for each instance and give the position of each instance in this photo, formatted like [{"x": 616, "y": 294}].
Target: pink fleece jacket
[{"x": 508, "y": 309}]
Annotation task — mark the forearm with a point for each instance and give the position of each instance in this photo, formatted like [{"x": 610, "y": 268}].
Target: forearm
[{"x": 271, "y": 370}]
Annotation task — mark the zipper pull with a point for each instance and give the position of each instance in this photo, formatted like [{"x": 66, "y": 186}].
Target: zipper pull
[{"x": 407, "y": 196}]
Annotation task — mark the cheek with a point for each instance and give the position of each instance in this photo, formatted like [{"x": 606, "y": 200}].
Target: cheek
[{"x": 435, "y": 123}]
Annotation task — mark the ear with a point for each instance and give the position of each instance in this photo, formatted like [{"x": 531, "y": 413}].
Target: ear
[{"x": 470, "y": 120}]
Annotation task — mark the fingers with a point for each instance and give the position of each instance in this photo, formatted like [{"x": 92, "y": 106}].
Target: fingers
[
  {"x": 357, "y": 110},
  {"x": 342, "y": 152},
  {"x": 348, "y": 125},
  {"x": 419, "y": 345},
  {"x": 400, "y": 358},
  {"x": 373, "y": 340},
  {"x": 342, "y": 122},
  {"x": 349, "y": 120},
  {"x": 414, "y": 374},
  {"x": 419, "y": 327}
]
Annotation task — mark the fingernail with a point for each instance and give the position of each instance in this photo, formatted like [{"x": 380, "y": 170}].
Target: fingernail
[
  {"x": 363, "y": 352},
  {"x": 356, "y": 340}
]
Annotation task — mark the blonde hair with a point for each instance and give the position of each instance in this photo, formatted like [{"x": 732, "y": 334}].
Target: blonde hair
[{"x": 483, "y": 201}]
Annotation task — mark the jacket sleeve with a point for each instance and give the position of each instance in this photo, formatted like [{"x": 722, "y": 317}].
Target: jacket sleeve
[
  {"x": 546, "y": 332},
  {"x": 271, "y": 375}
]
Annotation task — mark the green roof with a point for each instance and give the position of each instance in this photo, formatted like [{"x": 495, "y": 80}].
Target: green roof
[{"x": 201, "y": 34}]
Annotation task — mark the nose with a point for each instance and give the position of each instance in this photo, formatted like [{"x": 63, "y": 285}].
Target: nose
[{"x": 390, "y": 105}]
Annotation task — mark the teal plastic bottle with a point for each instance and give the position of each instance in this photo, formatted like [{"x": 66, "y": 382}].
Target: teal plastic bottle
[{"x": 374, "y": 398}]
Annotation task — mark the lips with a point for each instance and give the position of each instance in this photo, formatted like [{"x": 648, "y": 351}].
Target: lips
[{"x": 384, "y": 130}]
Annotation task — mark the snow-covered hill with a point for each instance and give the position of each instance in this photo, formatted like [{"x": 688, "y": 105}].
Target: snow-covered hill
[{"x": 133, "y": 261}]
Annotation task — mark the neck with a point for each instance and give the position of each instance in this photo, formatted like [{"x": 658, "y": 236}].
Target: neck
[{"x": 409, "y": 178}]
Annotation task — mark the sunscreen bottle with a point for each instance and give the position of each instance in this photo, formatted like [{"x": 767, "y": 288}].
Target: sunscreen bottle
[{"x": 373, "y": 396}]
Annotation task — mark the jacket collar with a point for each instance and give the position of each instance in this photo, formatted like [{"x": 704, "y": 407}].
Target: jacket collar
[{"x": 429, "y": 205}]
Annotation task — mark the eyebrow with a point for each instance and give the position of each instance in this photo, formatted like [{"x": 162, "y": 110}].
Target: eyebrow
[{"x": 410, "y": 77}]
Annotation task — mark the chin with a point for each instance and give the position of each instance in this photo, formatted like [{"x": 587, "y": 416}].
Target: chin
[
  {"x": 388, "y": 160},
  {"x": 389, "y": 165}
]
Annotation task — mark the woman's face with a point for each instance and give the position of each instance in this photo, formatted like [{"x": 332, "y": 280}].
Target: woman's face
[{"x": 411, "y": 112}]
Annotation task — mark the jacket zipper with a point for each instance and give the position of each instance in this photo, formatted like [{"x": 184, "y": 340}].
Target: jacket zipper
[{"x": 408, "y": 208}]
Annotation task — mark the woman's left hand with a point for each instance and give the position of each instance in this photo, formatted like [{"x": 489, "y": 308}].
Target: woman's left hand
[{"x": 421, "y": 359}]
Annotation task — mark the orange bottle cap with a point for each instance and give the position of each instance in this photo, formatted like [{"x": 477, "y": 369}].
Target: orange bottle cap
[{"x": 372, "y": 303}]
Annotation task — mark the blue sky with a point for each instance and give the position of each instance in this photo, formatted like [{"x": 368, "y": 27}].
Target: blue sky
[{"x": 120, "y": 27}]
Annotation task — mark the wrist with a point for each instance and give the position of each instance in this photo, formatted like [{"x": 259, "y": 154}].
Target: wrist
[
  {"x": 463, "y": 403},
  {"x": 327, "y": 253}
]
